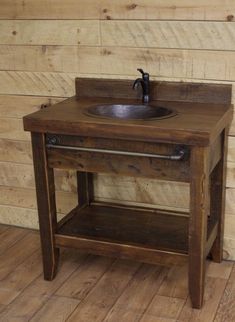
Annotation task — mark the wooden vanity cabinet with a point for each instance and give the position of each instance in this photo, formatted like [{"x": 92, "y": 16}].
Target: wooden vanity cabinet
[{"x": 65, "y": 138}]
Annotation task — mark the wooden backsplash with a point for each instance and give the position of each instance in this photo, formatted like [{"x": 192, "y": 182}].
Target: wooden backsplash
[{"x": 45, "y": 44}]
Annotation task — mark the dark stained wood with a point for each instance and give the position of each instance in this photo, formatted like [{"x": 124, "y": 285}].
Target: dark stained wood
[
  {"x": 199, "y": 211},
  {"x": 118, "y": 164},
  {"x": 195, "y": 123},
  {"x": 114, "y": 144},
  {"x": 162, "y": 91},
  {"x": 211, "y": 236},
  {"x": 114, "y": 249},
  {"x": 124, "y": 225},
  {"x": 45, "y": 188},
  {"x": 216, "y": 150},
  {"x": 217, "y": 195},
  {"x": 152, "y": 236},
  {"x": 85, "y": 188}
]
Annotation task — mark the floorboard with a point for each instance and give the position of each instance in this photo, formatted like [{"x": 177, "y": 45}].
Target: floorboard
[{"x": 90, "y": 288}]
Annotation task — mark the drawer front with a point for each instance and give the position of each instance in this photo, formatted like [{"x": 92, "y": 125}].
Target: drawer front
[{"x": 162, "y": 161}]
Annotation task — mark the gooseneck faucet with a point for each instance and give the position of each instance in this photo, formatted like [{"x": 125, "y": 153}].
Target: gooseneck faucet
[{"x": 144, "y": 81}]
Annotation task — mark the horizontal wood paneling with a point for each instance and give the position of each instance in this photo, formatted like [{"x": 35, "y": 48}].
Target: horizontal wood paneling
[
  {"x": 231, "y": 148},
  {"x": 50, "y": 32},
  {"x": 33, "y": 83},
  {"x": 22, "y": 176},
  {"x": 26, "y": 198},
  {"x": 23, "y": 217},
  {"x": 229, "y": 248},
  {"x": 62, "y": 84},
  {"x": 230, "y": 182},
  {"x": 15, "y": 151},
  {"x": 209, "y": 65},
  {"x": 168, "y": 34},
  {"x": 132, "y": 33},
  {"x": 140, "y": 190},
  {"x": 122, "y": 9},
  {"x": 18, "y": 106},
  {"x": 11, "y": 128}
]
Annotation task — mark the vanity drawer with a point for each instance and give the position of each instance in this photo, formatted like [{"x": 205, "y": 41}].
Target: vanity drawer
[{"x": 162, "y": 161}]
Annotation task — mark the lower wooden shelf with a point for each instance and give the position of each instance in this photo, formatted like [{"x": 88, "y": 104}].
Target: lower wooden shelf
[{"x": 146, "y": 235}]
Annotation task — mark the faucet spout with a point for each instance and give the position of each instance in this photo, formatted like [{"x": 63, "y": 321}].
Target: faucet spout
[{"x": 144, "y": 81}]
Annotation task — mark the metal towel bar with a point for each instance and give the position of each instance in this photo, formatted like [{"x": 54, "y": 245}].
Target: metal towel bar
[{"x": 179, "y": 153}]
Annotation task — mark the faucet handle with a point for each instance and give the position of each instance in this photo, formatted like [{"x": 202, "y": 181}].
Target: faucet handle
[
  {"x": 141, "y": 71},
  {"x": 144, "y": 74}
]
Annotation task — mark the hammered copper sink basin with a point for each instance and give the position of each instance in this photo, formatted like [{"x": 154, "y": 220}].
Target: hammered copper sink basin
[{"x": 129, "y": 112}]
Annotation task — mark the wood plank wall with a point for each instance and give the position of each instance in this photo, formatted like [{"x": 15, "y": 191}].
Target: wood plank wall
[{"x": 45, "y": 44}]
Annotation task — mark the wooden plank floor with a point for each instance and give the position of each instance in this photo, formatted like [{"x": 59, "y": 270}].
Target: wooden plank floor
[{"x": 92, "y": 289}]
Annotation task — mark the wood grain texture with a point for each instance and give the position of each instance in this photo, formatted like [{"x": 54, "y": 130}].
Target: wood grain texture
[
  {"x": 18, "y": 253},
  {"x": 226, "y": 310},
  {"x": 12, "y": 128},
  {"x": 214, "y": 289},
  {"x": 25, "y": 296},
  {"x": 21, "y": 175},
  {"x": 91, "y": 9},
  {"x": 18, "y": 216},
  {"x": 16, "y": 106},
  {"x": 140, "y": 190},
  {"x": 168, "y": 34},
  {"x": 33, "y": 83},
  {"x": 11, "y": 236},
  {"x": 20, "y": 277},
  {"x": 15, "y": 151},
  {"x": 105, "y": 293},
  {"x": 151, "y": 24},
  {"x": 132, "y": 33},
  {"x": 46, "y": 204},
  {"x": 231, "y": 148},
  {"x": 209, "y": 65},
  {"x": 50, "y": 32},
  {"x": 57, "y": 309},
  {"x": 62, "y": 84},
  {"x": 81, "y": 282},
  {"x": 37, "y": 293},
  {"x": 163, "y": 309},
  {"x": 138, "y": 294},
  {"x": 199, "y": 209},
  {"x": 26, "y": 198}
]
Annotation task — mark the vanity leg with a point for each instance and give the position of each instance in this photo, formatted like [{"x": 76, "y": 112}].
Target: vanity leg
[
  {"x": 45, "y": 189},
  {"x": 199, "y": 210},
  {"x": 84, "y": 188},
  {"x": 218, "y": 199}
]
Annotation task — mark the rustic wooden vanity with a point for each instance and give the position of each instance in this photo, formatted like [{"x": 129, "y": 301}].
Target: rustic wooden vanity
[{"x": 189, "y": 147}]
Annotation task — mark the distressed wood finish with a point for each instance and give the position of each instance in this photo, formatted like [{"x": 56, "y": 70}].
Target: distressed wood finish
[
  {"x": 131, "y": 232},
  {"x": 168, "y": 63},
  {"x": 218, "y": 199},
  {"x": 45, "y": 189},
  {"x": 159, "y": 90},
  {"x": 185, "y": 128},
  {"x": 85, "y": 188},
  {"x": 118, "y": 164},
  {"x": 199, "y": 211},
  {"x": 124, "y": 9}
]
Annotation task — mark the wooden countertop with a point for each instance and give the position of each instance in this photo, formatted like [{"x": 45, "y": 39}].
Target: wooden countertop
[{"x": 195, "y": 123}]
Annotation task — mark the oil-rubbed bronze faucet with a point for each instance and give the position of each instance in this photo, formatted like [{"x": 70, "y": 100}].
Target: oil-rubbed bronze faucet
[{"x": 144, "y": 81}]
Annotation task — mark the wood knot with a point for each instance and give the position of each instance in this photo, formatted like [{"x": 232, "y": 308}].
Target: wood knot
[
  {"x": 230, "y": 18},
  {"x": 44, "y": 49},
  {"x": 108, "y": 17},
  {"x": 105, "y": 10},
  {"x": 132, "y": 6},
  {"x": 106, "y": 52},
  {"x": 14, "y": 32}
]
